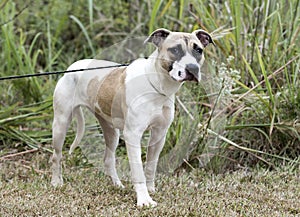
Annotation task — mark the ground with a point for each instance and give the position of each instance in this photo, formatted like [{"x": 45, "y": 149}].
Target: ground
[{"x": 25, "y": 190}]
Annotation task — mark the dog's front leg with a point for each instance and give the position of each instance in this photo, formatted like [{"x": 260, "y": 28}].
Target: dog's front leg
[
  {"x": 133, "y": 147},
  {"x": 156, "y": 143}
]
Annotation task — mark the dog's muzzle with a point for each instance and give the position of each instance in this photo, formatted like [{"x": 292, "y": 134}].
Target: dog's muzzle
[{"x": 192, "y": 72}]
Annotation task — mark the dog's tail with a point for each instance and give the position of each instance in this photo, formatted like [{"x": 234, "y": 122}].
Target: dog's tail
[{"x": 77, "y": 112}]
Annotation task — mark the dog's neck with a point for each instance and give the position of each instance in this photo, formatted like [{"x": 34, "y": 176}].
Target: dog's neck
[{"x": 160, "y": 79}]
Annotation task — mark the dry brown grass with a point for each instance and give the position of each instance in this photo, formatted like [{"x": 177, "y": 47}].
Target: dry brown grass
[{"x": 25, "y": 191}]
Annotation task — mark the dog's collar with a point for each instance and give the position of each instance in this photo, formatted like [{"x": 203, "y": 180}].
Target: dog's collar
[
  {"x": 156, "y": 88},
  {"x": 155, "y": 83}
]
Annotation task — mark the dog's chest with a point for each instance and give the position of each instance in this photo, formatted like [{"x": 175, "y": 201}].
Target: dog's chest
[{"x": 149, "y": 109}]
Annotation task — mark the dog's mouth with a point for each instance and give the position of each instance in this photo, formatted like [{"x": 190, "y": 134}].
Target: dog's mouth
[{"x": 191, "y": 77}]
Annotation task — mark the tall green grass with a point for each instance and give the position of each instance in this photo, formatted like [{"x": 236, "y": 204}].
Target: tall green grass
[{"x": 260, "y": 103}]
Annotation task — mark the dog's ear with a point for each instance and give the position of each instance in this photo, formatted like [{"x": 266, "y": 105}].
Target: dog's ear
[
  {"x": 204, "y": 37},
  {"x": 158, "y": 36}
]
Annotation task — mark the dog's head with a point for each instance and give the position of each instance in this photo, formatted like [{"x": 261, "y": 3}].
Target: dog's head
[{"x": 180, "y": 54}]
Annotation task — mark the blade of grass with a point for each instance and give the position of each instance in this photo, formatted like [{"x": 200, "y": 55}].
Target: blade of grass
[
  {"x": 236, "y": 18},
  {"x": 91, "y": 14},
  {"x": 165, "y": 9},
  {"x": 264, "y": 72},
  {"x": 252, "y": 74},
  {"x": 49, "y": 40},
  {"x": 84, "y": 31},
  {"x": 153, "y": 17},
  {"x": 180, "y": 9},
  {"x": 294, "y": 20},
  {"x": 265, "y": 25},
  {"x": 15, "y": 118}
]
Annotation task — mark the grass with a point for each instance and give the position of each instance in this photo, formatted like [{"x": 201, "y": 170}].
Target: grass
[{"x": 25, "y": 191}]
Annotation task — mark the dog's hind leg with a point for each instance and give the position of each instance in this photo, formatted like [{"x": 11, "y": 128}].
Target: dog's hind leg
[
  {"x": 111, "y": 136},
  {"x": 62, "y": 107},
  {"x": 59, "y": 131}
]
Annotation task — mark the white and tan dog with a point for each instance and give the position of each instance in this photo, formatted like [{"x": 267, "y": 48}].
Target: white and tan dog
[{"x": 133, "y": 99}]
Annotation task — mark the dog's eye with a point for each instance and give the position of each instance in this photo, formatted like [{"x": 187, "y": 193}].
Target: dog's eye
[
  {"x": 175, "y": 50},
  {"x": 197, "y": 49}
]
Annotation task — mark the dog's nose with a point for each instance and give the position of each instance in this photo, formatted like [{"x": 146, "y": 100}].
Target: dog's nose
[{"x": 193, "y": 69}]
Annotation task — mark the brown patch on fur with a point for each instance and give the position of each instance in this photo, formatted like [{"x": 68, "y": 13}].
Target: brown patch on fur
[{"x": 106, "y": 90}]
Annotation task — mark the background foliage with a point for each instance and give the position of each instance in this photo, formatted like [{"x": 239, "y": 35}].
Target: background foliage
[{"x": 256, "y": 60}]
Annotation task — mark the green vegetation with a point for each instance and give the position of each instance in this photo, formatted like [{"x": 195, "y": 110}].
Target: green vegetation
[{"x": 253, "y": 70}]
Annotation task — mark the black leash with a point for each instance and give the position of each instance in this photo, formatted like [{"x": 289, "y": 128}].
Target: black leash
[{"x": 58, "y": 72}]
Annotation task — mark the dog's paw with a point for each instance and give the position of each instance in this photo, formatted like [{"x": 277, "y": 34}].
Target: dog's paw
[
  {"x": 117, "y": 183},
  {"x": 57, "y": 181},
  {"x": 146, "y": 201},
  {"x": 143, "y": 197}
]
